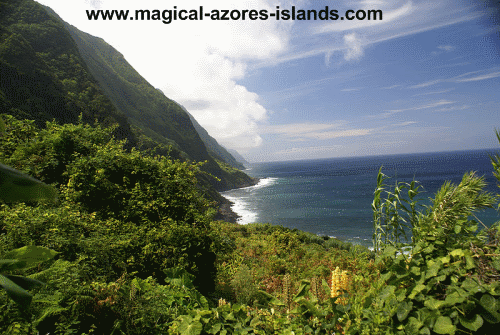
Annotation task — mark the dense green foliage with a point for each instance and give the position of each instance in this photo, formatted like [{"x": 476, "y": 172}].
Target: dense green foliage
[
  {"x": 446, "y": 280},
  {"x": 136, "y": 252},
  {"x": 17, "y": 186},
  {"x": 16, "y": 286},
  {"x": 135, "y": 244},
  {"x": 152, "y": 199}
]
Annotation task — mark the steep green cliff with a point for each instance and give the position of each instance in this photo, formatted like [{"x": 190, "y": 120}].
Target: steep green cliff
[
  {"x": 214, "y": 148},
  {"x": 147, "y": 108},
  {"x": 43, "y": 75},
  {"x": 51, "y": 70}
]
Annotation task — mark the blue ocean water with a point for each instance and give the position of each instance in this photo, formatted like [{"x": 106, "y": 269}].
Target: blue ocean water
[{"x": 333, "y": 196}]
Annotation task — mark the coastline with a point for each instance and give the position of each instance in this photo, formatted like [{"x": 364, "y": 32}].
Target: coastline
[
  {"x": 225, "y": 212},
  {"x": 332, "y": 197}
]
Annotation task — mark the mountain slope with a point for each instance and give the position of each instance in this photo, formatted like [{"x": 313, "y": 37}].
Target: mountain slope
[
  {"x": 43, "y": 75},
  {"x": 157, "y": 116},
  {"x": 239, "y": 158},
  {"x": 214, "y": 148}
]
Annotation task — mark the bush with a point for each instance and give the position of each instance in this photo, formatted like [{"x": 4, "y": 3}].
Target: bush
[
  {"x": 124, "y": 210},
  {"x": 444, "y": 281},
  {"x": 244, "y": 286}
]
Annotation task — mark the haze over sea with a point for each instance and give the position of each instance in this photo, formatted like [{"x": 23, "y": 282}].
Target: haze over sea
[{"x": 333, "y": 196}]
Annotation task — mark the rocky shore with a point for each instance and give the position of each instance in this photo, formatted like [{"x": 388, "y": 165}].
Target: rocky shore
[{"x": 225, "y": 213}]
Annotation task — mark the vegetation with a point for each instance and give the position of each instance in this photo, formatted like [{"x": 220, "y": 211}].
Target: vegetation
[
  {"x": 131, "y": 247},
  {"x": 446, "y": 280},
  {"x": 109, "y": 228},
  {"x": 47, "y": 78},
  {"x": 16, "y": 186},
  {"x": 215, "y": 150},
  {"x": 56, "y": 72},
  {"x": 148, "y": 109}
]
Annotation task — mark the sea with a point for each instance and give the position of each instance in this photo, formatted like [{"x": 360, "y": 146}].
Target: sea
[{"x": 333, "y": 196}]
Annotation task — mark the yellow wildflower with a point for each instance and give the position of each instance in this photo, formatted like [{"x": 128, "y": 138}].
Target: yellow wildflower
[{"x": 340, "y": 283}]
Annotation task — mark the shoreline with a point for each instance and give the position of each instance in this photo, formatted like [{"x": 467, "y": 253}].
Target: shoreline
[{"x": 225, "y": 212}]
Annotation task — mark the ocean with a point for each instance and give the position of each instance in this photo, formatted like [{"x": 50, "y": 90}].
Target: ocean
[{"x": 333, "y": 196}]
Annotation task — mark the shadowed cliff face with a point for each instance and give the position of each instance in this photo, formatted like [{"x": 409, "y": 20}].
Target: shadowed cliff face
[
  {"x": 43, "y": 74},
  {"x": 214, "y": 148}
]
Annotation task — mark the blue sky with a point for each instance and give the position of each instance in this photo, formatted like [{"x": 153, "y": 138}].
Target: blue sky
[{"x": 425, "y": 78}]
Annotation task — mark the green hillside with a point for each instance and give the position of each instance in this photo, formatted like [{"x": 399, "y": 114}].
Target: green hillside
[
  {"x": 214, "y": 148},
  {"x": 43, "y": 74},
  {"x": 131, "y": 248},
  {"x": 147, "y": 108},
  {"x": 239, "y": 158}
]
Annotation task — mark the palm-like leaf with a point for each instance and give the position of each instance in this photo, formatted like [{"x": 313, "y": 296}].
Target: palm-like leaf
[{"x": 17, "y": 186}]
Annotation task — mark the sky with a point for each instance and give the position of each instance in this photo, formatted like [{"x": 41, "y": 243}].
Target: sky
[{"x": 425, "y": 78}]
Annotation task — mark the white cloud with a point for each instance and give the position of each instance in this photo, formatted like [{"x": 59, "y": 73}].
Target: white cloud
[
  {"x": 354, "y": 47},
  {"x": 404, "y": 124},
  {"x": 434, "y": 92},
  {"x": 308, "y": 87},
  {"x": 452, "y": 65},
  {"x": 298, "y": 129},
  {"x": 400, "y": 18},
  {"x": 480, "y": 77},
  {"x": 430, "y": 105},
  {"x": 443, "y": 48},
  {"x": 390, "y": 13},
  {"x": 383, "y": 115},
  {"x": 338, "y": 134},
  {"x": 96, "y": 4},
  {"x": 201, "y": 64},
  {"x": 453, "y": 108},
  {"x": 463, "y": 78},
  {"x": 446, "y": 47},
  {"x": 305, "y": 152},
  {"x": 318, "y": 131},
  {"x": 426, "y": 84},
  {"x": 391, "y": 87}
]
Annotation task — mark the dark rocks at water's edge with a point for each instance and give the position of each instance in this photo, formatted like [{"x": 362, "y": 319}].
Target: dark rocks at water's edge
[
  {"x": 225, "y": 213},
  {"x": 253, "y": 181}
]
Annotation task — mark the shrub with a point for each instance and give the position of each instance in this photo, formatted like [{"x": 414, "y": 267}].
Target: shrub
[
  {"x": 104, "y": 189},
  {"x": 244, "y": 286},
  {"x": 444, "y": 281}
]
